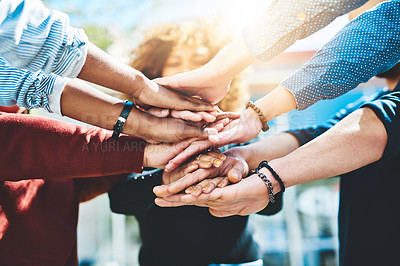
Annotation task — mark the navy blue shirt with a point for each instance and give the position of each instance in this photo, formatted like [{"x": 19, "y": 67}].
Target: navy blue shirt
[{"x": 368, "y": 224}]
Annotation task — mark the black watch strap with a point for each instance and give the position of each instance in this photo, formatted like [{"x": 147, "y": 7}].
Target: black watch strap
[{"x": 119, "y": 125}]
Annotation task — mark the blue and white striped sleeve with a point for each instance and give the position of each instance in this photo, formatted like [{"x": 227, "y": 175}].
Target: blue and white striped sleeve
[
  {"x": 30, "y": 89},
  {"x": 33, "y": 37}
]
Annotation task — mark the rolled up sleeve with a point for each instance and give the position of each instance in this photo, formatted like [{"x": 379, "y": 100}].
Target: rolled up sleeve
[
  {"x": 387, "y": 109},
  {"x": 33, "y": 37},
  {"x": 30, "y": 89}
]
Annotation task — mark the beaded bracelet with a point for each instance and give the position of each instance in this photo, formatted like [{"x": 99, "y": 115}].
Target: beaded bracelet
[{"x": 260, "y": 114}]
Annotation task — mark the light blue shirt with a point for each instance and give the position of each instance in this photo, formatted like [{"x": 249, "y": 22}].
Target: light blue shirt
[
  {"x": 36, "y": 39},
  {"x": 366, "y": 46}
]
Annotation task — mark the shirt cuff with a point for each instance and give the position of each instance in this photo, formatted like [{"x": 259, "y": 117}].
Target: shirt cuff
[
  {"x": 305, "y": 88},
  {"x": 54, "y": 98}
]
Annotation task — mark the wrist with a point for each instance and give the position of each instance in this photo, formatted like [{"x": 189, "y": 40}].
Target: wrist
[{"x": 253, "y": 120}]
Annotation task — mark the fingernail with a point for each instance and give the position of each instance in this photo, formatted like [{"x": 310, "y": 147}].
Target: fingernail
[
  {"x": 165, "y": 111},
  {"x": 235, "y": 176},
  {"x": 207, "y": 163},
  {"x": 189, "y": 190},
  {"x": 222, "y": 157},
  {"x": 206, "y": 187},
  {"x": 196, "y": 191},
  {"x": 217, "y": 162},
  {"x": 222, "y": 183},
  {"x": 210, "y": 131}
]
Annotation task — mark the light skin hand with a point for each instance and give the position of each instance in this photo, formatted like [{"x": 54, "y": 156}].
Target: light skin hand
[
  {"x": 207, "y": 117},
  {"x": 211, "y": 82},
  {"x": 237, "y": 131},
  {"x": 248, "y": 196}
]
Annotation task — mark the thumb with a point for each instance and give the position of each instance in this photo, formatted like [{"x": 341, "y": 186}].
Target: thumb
[
  {"x": 224, "y": 137},
  {"x": 169, "y": 82},
  {"x": 158, "y": 112},
  {"x": 237, "y": 172}
]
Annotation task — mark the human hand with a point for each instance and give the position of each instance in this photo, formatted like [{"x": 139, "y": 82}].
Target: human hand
[
  {"x": 203, "y": 82},
  {"x": 202, "y": 161},
  {"x": 165, "y": 129},
  {"x": 152, "y": 94},
  {"x": 234, "y": 168},
  {"x": 244, "y": 198},
  {"x": 237, "y": 131}
]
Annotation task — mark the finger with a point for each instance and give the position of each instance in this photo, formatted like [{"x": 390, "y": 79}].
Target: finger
[
  {"x": 237, "y": 172},
  {"x": 207, "y": 117},
  {"x": 198, "y": 189},
  {"x": 223, "y": 183},
  {"x": 194, "y": 148},
  {"x": 186, "y": 115},
  {"x": 170, "y": 177},
  {"x": 208, "y": 185},
  {"x": 217, "y": 213},
  {"x": 158, "y": 112},
  {"x": 181, "y": 184},
  {"x": 183, "y": 102},
  {"x": 226, "y": 137},
  {"x": 211, "y": 184},
  {"x": 210, "y": 159},
  {"x": 164, "y": 203},
  {"x": 179, "y": 130},
  {"x": 189, "y": 190},
  {"x": 230, "y": 115},
  {"x": 224, "y": 122}
]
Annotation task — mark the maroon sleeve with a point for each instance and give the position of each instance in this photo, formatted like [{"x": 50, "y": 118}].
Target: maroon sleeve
[{"x": 36, "y": 147}]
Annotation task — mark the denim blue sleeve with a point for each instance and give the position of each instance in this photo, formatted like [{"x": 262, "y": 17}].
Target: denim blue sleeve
[
  {"x": 287, "y": 21},
  {"x": 387, "y": 108},
  {"x": 35, "y": 38},
  {"x": 366, "y": 46},
  {"x": 29, "y": 89}
]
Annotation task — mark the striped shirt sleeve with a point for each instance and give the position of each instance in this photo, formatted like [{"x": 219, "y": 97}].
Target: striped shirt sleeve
[
  {"x": 34, "y": 38},
  {"x": 30, "y": 89}
]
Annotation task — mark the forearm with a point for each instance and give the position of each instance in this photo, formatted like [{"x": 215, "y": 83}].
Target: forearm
[
  {"x": 231, "y": 60},
  {"x": 269, "y": 148},
  {"x": 43, "y": 148},
  {"x": 102, "y": 69},
  {"x": 84, "y": 103},
  {"x": 356, "y": 141}
]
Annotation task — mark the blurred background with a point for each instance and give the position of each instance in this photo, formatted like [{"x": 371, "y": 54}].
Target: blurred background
[{"x": 305, "y": 232}]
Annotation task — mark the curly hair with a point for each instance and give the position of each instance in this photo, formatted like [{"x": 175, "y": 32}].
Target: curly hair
[{"x": 158, "y": 43}]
